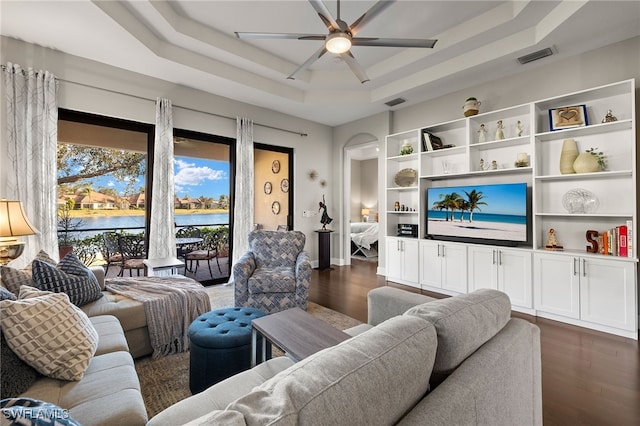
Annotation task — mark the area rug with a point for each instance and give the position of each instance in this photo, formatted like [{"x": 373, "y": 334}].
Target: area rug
[{"x": 165, "y": 381}]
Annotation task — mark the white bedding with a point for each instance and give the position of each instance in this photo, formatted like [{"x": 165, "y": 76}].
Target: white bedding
[{"x": 363, "y": 234}]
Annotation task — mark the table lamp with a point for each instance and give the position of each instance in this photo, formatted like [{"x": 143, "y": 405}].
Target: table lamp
[
  {"x": 365, "y": 215},
  {"x": 13, "y": 223}
]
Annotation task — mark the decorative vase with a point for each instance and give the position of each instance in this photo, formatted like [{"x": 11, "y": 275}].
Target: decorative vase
[
  {"x": 586, "y": 163},
  {"x": 568, "y": 156},
  {"x": 471, "y": 107}
]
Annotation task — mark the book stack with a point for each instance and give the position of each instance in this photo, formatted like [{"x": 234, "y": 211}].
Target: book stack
[
  {"x": 430, "y": 142},
  {"x": 617, "y": 241}
]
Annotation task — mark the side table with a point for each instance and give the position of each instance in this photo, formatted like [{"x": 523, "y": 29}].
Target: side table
[
  {"x": 324, "y": 249},
  {"x": 162, "y": 267}
]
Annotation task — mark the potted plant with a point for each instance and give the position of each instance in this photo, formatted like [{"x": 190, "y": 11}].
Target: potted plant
[{"x": 67, "y": 227}]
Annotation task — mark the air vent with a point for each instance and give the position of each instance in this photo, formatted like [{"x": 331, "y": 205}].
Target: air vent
[
  {"x": 396, "y": 101},
  {"x": 535, "y": 56}
]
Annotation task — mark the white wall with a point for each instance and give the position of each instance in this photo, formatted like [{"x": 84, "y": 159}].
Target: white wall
[
  {"x": 97, "y": 88},
  {"x": 356, "y": 191},
  {"x": 369, "y": 186},
  {"x": 539, "y": 80}
]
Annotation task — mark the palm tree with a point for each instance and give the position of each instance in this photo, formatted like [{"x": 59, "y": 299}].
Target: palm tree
[
  {"x": 473, "y": 198},
  {"x": 450, "y": 202},
  {"x": 463, "y": 206}
]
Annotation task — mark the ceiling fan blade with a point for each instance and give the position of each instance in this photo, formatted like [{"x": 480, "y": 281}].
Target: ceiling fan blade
[
  {"x": 375, "y": 10},
  {"x": 308, "y": 62},
  {"x": 325, "y": 15},
  {"x": 355, "y": 67},
  {"x": 393, "y": 42},
  {"x": 281, "y": 36}
]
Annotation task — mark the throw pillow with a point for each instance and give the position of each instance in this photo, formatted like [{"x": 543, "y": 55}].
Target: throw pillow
[
  {"x": 13, "y": 278},
  {"x": 27, "y": 411},
  {"x": 70, "y": 276},
  {"x": 49, "y": 333},
  {"x": 6, "y": 294},
  {"x": 17, "y": 376}
]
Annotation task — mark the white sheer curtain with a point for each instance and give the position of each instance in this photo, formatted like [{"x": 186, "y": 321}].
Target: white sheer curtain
[
  {"x": 162, "y": 238},
  {"x": 243, "y": 205},
  {"x": 32, "y": 137}
]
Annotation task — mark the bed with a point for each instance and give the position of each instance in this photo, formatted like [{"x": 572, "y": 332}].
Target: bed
[{"x": 364, "y": 239}]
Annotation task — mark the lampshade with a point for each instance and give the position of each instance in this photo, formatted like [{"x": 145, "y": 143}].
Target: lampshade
[
  {"x": 338, "y": 43},
  {"x": 365, "y": 212},
  {"x": 13, "y": 223}
]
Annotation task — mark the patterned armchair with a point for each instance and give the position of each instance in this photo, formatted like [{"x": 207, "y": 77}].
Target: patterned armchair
[{"x": 274, "y": 274}]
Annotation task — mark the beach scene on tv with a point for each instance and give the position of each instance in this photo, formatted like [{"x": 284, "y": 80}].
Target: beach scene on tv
[{"x": 495, "y": 212}]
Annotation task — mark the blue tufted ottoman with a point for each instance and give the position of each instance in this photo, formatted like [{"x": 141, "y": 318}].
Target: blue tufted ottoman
[{"x": 220, "y": 345}]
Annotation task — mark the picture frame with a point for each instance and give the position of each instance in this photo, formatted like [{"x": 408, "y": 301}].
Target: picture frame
[
  {"x": 275, "y": 166},
  {"x": 568, "y": 117},
  {"x": 267, "y": 188}
]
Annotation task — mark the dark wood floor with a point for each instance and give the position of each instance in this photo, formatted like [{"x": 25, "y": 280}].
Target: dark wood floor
[{"x": 588, "y": 377}]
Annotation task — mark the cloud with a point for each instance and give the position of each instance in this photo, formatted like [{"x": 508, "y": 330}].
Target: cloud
[
  {"x": 189, "y": 175},
  {"x": 111, "y": 184}
]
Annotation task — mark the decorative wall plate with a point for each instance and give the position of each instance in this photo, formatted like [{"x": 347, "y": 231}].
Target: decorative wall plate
[
  {"x": 406, "y": 177},
  {"x": 275, "y": 207},
  {"x": 580, "y": 200},
  {"x": 267, "y": 188},
  {"x": 284, "y": 185},
  {"x": 275, "y": 166}
]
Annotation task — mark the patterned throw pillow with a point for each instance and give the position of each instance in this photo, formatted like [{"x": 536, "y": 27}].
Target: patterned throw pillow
[
  {"x": 49, "y": 333},
  {"x": 70, "y": 276},
  {"x": 13, "y": 278},
  {"x": 33, "y": 412},
  {"x": 17, "y": 376}
]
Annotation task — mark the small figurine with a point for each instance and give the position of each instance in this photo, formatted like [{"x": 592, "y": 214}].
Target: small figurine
[
  {"x": 609, "y": 118},
  {"x": 494, "y": 165},
  {"x": 499, "y": 132},
  {"x": 482, "y": 134},
  {"x": 325, "y": 219},
  {"x": 482, "y": 164},
  {"x": 552, "y": 241},
  {"x": 519, "y": 128}
]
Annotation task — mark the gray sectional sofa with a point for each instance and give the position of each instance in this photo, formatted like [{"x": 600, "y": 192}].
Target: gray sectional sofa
[{"x": 456, "y": 361}]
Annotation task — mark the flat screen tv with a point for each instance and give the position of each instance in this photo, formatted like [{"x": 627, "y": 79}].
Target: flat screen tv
[{"x": 487, "y": 214}]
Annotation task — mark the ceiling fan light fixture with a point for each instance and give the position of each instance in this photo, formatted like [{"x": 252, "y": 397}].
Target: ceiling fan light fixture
[{"x": 338, "y": 43}]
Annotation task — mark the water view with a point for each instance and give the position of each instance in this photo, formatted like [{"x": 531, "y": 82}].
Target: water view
[{"x": 137, "y": 221}]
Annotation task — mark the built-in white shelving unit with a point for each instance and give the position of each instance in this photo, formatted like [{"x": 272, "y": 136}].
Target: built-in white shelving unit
[{"x": 587, "y": 289}]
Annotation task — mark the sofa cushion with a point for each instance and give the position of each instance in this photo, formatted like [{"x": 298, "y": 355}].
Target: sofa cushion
[
  {"x": 108, "y": 394},
  {"x": 49, "y": 333},
  {"x": 219, "y": 417},
  {"x": 110, "y": 334},
  {"x": 70, "y": 276},
  {"x": 463, "y": 323},
  {"x": 373, "y": 378},
  {"x": 279, "y": 279},
  {"x": 129, "y": 312},
  {"x": 23, "y": 411},
  {"x": 13, "y": 278}
]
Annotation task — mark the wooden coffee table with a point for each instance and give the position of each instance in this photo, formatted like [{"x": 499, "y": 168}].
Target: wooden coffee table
[{"x": 296, "y": 332}]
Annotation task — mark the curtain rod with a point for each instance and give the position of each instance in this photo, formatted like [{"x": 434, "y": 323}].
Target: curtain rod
[{"x": 266, "y": 126}]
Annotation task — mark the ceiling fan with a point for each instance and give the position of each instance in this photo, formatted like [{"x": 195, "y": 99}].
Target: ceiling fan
[{"x": 342, "y": 37}]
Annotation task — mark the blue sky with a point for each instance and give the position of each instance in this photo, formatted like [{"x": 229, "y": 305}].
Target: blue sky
[
  {"x": 193, "y": 176},
  {"x": 503, "y": 199}
]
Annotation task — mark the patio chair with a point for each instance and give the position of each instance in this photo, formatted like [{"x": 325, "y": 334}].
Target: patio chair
[
  {"x": 111, "y": 250},
  {"x": 274, "y": 274},
  {"x": 134, "y": 251},
  {"x": 207, "y": 250},
  {"x": 187, "y": 232}
]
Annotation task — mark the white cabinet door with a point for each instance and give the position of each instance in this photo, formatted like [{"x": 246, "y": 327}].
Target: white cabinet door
[
  {"x": 394, "y": 259},
  {"x": 607, "y": 293},
  {"x": 514, "y": 276},
  {"x": 482, "y": 268},
  {"x": 502, "y": 269},
  {"x": 411, "y": 258},
  {"x": 430, "y": 264},
  {"x": 454, "y": 267},
  {"x": 402, "y": 260},
  {"x": 557, "y": 284}
]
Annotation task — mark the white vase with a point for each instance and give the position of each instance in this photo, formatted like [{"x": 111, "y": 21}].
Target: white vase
[
  {"x": 568, "y": 156},
  {"x": 586, "y": 163}
]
